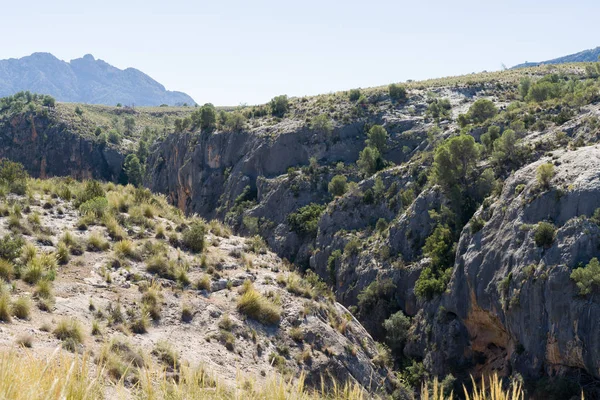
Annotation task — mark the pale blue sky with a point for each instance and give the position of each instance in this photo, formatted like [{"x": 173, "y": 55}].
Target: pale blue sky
[{"x": 232, "y": 52}]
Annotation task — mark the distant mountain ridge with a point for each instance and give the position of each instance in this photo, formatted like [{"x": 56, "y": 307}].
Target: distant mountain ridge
[
  {"x": 84, "y": 80},
  {"x": 582, "y": 56}
]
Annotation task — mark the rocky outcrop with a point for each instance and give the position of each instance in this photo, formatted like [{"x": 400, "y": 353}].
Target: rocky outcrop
[
  {"x": 511, "y": 304},
  {"x": 49, "y": 148}
]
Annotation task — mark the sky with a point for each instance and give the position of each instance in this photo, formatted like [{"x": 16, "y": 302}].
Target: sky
[{"x": 233, "y": 52}]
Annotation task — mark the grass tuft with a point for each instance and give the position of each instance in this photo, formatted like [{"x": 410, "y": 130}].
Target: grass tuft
[{"x": 256, "y": 306}]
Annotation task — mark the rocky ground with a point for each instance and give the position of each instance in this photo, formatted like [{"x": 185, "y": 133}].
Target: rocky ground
[{"x": 313, "y": 334}]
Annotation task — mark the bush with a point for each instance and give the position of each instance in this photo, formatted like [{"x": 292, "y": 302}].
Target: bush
[
  {"x": 378, "y": 291},
  {"x": 545, "y": 173},
  {"x": 352, "y": 248},
  {"x": 397, "y": 92},
  {"x": 396, "y": 328},
  {"x": 377, "y": 138},
  {"x": 482, "y": 110},
  {"x": 544, "y": 234},
  {"x": 438, "y": 247},
  {"x": 306, "y": 219},
  {"x": 256, "y": 306},
  {"x": 10, "y": 247},
  {"x": 95, "y": 207},
  {"x": 193, "y": 238},
  {"x": 279, "y": 105},
  {"x": 92, "y": 190},
  {"x": 370, "y": 161},
  {"x": 431, "y": 283},
  {"x": 133, "y": 169},
  {"x": 381, "y": 225},
  {"x": 321, "y": 123},
  {"x": 14, "y": 176},
  {"x": 454, "y": 162},
  {"x": 338, "y": 185},
  {"x": 354, "y": 94},
  {"x": 587, "y": 278}
]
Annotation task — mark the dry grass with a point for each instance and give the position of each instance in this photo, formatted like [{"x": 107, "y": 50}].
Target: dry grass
[
  {"x": 256, "y": 306},
  {"x": 24, "y": 377},
  {"x": 494, "y": 390}
]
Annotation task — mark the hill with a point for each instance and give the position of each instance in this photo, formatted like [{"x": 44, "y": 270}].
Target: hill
[
  {"x": 583, "y": 56},
  {"x": 457, "y": 220},
  {"x": 84, "y": 80}
]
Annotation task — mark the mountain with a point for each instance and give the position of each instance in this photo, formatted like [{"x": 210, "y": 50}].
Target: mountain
[
  {"x": 582, "y": 56},
  {"x": 84, "y": 80}
]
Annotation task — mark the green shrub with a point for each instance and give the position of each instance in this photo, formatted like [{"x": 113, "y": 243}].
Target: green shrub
[
  {"x": 381, "y": 225},
  {"x": 396, "y": 328},
  {"x": 193, "y": 237},
  {"x": 10, "y": 247},
  {"x": 305, "y": 220},
  {"x": 93, "y": 189},
  {"x": 377, "y": 138},
  {"x": 587, "y": 278},
  {"x": 354, "y": 94},
  {"x": 352, "y": 248},
  {"x": 279, "y": 105},
  {"x": 133, "y": 169},
  {"x": 482, "y": 110},
  {"x": 545, "y": 173},
  {"x": 370, "y": 160},
  {"x": 14, "y": 176},
  {"x": 397, "y": 92},
  {"x": 431, "y": 283},
  {"x": 338, "y": 185},
  {"x": 476, "y": 225},
  {"x": 234, "y": 121},
  {"x": 321, "y": 123},
  {"x": 544, "y": 234},
  {"x": 380, "y": 290},
  {"x": 454, "y": 163},
  {"x": 95, "y": 207},
  {"x": 438, "y": 247}
]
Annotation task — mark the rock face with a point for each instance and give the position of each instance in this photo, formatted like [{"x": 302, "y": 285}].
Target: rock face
[
  {"x": 84, "y": 80},
  {"x": 511, "y": 304},
  {"x": 47, "y": 148}
]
